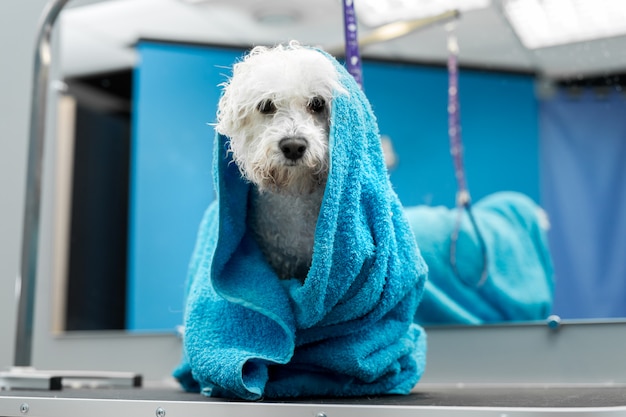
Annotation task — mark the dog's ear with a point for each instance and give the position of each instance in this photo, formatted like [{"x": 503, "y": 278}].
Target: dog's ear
[
  {"x": 238, "y": 100},
  {"x": 232, "y": 116},
  {"x": 229, "y": 114},
  {"x": 224, "y": 114}
]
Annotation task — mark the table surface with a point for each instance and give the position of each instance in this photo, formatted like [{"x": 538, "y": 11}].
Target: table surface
[{"x": 503, "y": 396}]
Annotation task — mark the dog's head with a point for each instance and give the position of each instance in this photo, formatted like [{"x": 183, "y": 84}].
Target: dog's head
[{"x": 276, "y": 112}]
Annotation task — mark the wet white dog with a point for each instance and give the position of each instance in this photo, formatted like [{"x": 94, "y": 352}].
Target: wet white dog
[{"x": 276, "y": 111}]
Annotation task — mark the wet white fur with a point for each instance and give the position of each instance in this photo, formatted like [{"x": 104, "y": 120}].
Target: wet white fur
[{"x": 287, "y": 194}]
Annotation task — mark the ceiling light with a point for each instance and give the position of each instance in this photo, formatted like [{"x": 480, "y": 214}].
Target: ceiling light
[
  {"x": 276, "y": 17},
  {"x": 542, "y": 23},
  {"x": 379, "y": 12},
  {"x": 195, "y": 1}
]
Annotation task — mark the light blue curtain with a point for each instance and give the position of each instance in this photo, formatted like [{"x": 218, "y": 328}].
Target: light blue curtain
[{"x": 583, "y": 163}]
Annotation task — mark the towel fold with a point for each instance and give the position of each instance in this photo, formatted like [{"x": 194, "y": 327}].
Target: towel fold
[
  {"x": 348, "y": 329},
  {"x": 520, "y": 281}
]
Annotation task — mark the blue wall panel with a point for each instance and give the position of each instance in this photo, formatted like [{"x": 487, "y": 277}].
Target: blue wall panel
[
  {"x": 176, "y": 96},
  {"x": 499, "y": 130}
]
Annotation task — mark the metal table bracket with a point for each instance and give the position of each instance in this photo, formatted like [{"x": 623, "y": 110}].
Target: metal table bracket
[{"x": 26, "y": 378}]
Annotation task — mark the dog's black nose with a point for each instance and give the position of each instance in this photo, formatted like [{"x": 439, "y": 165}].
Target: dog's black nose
[{"x": 293, "y": 148}]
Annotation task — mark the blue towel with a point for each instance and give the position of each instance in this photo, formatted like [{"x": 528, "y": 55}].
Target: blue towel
[
  {"x": 520, "y": 281},
  {"x": 348, "y": 330}
]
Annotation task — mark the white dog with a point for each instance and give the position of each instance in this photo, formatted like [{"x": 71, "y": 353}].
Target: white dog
[{"x": 276, "y": 111}]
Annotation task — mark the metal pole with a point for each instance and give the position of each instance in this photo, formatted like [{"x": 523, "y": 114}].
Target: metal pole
[
  {"x": 22, "y": 375},
  {"x": 26, "y": 280}
]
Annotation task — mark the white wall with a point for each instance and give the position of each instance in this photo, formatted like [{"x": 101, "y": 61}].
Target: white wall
[{"x": 18, "y": 27}]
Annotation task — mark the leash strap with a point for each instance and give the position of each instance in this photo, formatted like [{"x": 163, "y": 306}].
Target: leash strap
[
  {"x": 463, "y": 199},
  {"x": 353, "y": 57},
  {"x": 454, "y": 121}
]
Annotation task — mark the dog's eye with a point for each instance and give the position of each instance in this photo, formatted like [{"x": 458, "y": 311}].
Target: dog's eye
[
  {"x": 316, "y": 104},
  {"x": 266, "y": 107}
]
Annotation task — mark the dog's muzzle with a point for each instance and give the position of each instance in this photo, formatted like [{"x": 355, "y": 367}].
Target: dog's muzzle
[{"x": 293, "y": 148}]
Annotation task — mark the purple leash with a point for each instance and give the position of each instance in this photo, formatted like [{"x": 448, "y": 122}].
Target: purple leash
[
  {"x": 463, "y": 199},
  {"x": 454, "y": 121},
  {"x": 353, "y": 57}
]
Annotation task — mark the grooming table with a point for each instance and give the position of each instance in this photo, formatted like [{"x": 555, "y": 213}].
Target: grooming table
[
  {"x": 426, "y": 400},
  {"x": 574, "y": 353}
]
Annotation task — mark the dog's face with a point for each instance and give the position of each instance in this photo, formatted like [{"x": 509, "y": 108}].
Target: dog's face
[{"x": 276, "y": 112}]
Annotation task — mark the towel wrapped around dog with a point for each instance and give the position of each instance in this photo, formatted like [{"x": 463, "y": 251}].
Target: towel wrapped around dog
[
  {"x": 348, "y": 329},
  {"x": 520, "y": 280}
]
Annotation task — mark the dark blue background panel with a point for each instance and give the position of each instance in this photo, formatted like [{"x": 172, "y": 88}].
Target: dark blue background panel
[{"x": 583, "y": 154}]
